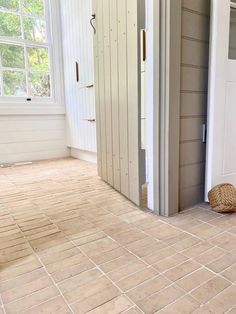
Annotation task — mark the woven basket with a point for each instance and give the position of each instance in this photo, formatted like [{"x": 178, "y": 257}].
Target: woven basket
[{"x": 222, "y": 198}]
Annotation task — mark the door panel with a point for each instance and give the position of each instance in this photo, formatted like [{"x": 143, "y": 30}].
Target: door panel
[
  {"x": 118, "y": 90},
  {"x": 221, "y": 147}
]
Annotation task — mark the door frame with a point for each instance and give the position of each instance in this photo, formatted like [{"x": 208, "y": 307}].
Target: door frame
[{"x": 163, "y": 104}]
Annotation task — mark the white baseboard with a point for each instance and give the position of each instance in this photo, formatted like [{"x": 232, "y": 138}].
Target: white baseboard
[{"x": 83, "y": 155}]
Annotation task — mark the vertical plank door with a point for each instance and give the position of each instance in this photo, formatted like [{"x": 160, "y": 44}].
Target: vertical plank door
[{"x": 118, "y": 93}]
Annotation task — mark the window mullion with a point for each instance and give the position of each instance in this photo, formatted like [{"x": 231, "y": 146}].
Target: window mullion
[
  {"x": 1, "y": 76},
  {"x": 25, "y": 49},
  {"x": 27, "y": 70}
]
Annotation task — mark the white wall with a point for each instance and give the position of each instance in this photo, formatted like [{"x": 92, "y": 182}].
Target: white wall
[{"x": 32, "y": 137}]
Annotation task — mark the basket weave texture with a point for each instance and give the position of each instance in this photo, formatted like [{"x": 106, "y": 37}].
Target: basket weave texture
[{"x": 222, "y": 198}]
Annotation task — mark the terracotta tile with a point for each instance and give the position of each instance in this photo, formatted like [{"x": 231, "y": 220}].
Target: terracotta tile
[
  {"x": 184, "y": 305},
  {"x": 56, "y": 305},
  {"x": 48, "y": 242},
  {"x": 22, "y": 279},
  {"x": 108, "y": 255},
  {"x": 95, "y": 298},
  {"x": 223, "y": 301},
  {"x": 118, "y": 238},
  {"x": 196, "y": 250},
  {"x": 57, "y": 249},
  {"x": 225, "y": 240},
  {"x": 129, "y": 236},
  {"x": 135, "y": 279},
  {"x": 195, "y": 279},
  {"x": 230, "y": 273},
  {"x": 210, "y": 289},
  {"x": 148, "y": 288},
  {"x": 205, "y": 231},
  {"x": 89, "y": 238},
  {"x": 144, "y": 246},
  {"x": 126, "y": 270},
  {"x": 73, "y": 270},
  {"x": 159, "y": 255},
  {"x": 99, "y": 246},
  {"x": 26, "y": 289},
  {"x": 159, "y": 300},
  {"x": 79, "y": 280},
  {"x": 186, "y": 243},
  {"x": 209, "y": 256},
  {"x": 118, "y": 262},
  {"x": 232, "y": 311},
  {"x": 12, "y": 272},
  {"x": 51, "y": 258},
  {"x": 115, "y": 306},
  {"x": 203, "y": 310},
  {"x": 181, "y": 270},
  {"x": 60, "y": 265},
  {"x": 170, "y": 262},
  {"x": 87, "y": 289},
  {"x": 222, "y": 263},
  {"x": 31, "y": 300}
]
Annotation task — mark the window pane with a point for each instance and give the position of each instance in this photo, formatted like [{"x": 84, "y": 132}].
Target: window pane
[
  {"x": 10, "y": 25},
  {"x": 38, "y": 59},
  {"x": 14, "y": 83},
  {"x": 33, "y": 7},
  {"x": 35, "y": 29},
  {"x": 12, "y": 56},
  {"x": 39, "y": 85},
  {"x": 232, "y": 34},
  {"x": 12, "y": 5}
]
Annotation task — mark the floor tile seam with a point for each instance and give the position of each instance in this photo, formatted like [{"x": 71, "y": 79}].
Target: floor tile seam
[
  {"x": 45, "y": 269},
  {"x": 97, "y": 266}
]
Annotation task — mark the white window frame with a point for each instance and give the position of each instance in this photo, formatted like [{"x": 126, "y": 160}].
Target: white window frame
[{"x": 54, "y": 104}]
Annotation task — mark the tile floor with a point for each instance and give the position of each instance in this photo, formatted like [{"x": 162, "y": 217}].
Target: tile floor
[{"x": 71, "y": 244}]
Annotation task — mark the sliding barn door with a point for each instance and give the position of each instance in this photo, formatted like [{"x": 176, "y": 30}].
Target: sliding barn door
[{"x": 117, "y": 28}]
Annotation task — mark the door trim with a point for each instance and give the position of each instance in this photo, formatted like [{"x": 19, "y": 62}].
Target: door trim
[{"x": 163, "y": 105}]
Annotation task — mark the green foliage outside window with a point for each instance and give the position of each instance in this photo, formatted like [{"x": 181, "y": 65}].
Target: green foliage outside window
[{"x": 14, "y": 57}]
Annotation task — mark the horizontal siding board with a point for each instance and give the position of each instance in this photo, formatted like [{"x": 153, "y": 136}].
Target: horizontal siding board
[
  {"x": 191, "y": 196},
  {"x": 192, "y": 175},
  {"x": 193, "y": 152},
  {"x": 34, "y": 156},
  {"x": 201, "y": 6},
  {"x": 195, "y": 26},
  {"x": 18, "y": 148},
  {"x": 30, "y": 125},
  {"x": 194, "y": 79},
  {"x": 191, "y": 128},
  {"x": 32, "y": 136},
  {"x": 24, "y": 138},
  {"x": 195, "y": 53},
  {"x": 193, "y": 104}
]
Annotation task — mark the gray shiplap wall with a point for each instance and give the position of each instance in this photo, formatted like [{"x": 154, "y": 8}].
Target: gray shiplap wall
[{"x": 193, "y": 108}]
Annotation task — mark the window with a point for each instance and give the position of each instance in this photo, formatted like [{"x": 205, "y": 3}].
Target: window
[
  {"x": 232, "y": 33},
  {"x": 26, "y": 67}
]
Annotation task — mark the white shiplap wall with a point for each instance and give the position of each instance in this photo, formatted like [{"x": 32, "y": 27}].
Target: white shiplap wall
[
  {"x": 32, "y": 137},
  {"x": 77, "y": 43}
]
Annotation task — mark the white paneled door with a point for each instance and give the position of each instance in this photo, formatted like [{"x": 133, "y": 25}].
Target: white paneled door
[
  {"x": 221, "y": 145},
  {"x": 118, "y": 92},
  {"x": 77, "y": 40}
]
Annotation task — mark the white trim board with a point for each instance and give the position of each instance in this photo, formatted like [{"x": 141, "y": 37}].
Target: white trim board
[
  {"x": 163, "y": 103},
  {"x": 83, "y": 155}
]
